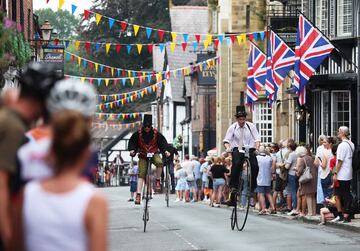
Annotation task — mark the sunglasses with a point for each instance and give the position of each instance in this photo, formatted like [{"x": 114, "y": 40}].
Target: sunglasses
[{"x": 147, "y": 126}]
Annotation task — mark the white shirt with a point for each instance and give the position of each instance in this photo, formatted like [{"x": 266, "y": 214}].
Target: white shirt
[
  {"x": 325, "y": 172},
  {"x": 55, "y": 222},
  {"x": 250, "y": 137},
  {"x": 188, "y": 166},
  {"x": 264, "y": 175},
  {"x": 280, "y": 157},
  {"x": 32, "y": 157},
  {"x": 345, "y": 153},
  {"x": 320, "y": 153}
]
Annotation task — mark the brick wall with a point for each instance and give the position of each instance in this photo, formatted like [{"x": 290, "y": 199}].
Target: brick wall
[{"x": 24, "y": 16}]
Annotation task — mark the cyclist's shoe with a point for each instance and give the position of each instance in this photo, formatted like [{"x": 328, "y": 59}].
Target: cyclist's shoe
[
  {"x": 231, "y": 202},
  {"x": 137, "y": 199},
  {"x": 158, "y": 186}
]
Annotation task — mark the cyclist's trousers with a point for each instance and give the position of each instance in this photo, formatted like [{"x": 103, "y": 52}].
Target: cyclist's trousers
[{"x": 237, "y": 166}]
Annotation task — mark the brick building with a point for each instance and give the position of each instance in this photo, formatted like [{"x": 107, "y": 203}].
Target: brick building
[{"x": 21, "y": 12}]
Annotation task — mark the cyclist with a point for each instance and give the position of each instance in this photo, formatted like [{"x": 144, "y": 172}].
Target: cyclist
[
  {"x": 239, "y": 134},
  {"x": 148, "y": 140},
  {"x": 36, "y": 81}
]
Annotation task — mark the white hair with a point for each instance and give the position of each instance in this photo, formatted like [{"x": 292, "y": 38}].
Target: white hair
[
  {"x": 322, "y": 137},
  {"x": 345, "y": 130},
  {"x": 301, "y": 151}
]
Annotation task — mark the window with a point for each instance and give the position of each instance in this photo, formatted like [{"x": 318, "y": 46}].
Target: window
[
  {"x": 340, "y": 107},
  {"x": 263, "y": 119},
  {"x": 344, "y": 17},
  {"x": 338, "y": 103},
  {"x": 321, "y": 15}
]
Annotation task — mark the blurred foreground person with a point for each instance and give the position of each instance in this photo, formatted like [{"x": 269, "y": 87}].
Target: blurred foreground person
[{"x": 65, "y": 212}]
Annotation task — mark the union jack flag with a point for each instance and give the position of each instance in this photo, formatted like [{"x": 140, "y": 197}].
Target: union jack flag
[
  {"x": 310, "y": 51},
  {"x": 256, "y": 74},
  {"x": 280, "y": 60}
]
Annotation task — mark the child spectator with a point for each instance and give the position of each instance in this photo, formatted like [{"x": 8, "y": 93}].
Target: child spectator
[
  {"x": 133, "y": 173},
  {"x": 181, "y": 184}
]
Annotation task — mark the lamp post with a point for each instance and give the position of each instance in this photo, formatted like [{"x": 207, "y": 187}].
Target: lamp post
[{"x": 46, "y": 30}]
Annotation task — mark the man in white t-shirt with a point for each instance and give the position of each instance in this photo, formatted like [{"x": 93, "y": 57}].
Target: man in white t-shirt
[
  {"x": 343, "y": 173},
  {"x": 188, "y": 166}
]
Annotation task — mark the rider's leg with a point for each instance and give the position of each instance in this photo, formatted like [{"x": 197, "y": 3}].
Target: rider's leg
[
  {"x": 157, "y": 161},
  {"x": 139, "y": 185},
  {"x": 254, "y": 170}
]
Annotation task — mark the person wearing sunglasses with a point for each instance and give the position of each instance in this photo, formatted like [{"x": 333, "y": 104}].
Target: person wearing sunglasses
[{"x": 148, "y": 140}]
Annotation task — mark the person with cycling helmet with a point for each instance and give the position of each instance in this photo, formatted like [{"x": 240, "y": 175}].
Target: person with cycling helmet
[
  {"x": 36, "y": 82},
  {"x": 240, "y": 134},
  {"x": 148, "y": 140}
]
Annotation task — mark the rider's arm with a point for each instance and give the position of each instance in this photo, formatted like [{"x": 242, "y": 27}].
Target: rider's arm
[
  {"x": 162, "y": 143},
  {"x": 228, "y": 136},
  {"x": 133, "y": 142}
]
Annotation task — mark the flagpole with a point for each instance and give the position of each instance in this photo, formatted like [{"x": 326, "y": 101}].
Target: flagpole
[{"x": 335, "y": 47}]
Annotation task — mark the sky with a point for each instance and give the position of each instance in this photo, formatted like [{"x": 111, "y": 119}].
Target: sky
[{"x": 54, "y": 4}]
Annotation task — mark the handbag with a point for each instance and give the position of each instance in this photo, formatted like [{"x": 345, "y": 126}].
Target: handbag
[{"x": 306, "y": 175}]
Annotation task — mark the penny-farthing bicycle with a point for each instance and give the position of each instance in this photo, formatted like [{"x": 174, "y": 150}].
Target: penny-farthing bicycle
[
  {"x": 243, "y": 195},
  {"x": 147, "y": 192}
]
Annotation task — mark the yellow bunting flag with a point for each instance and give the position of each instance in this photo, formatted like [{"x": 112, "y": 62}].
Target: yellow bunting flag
[
  {"x": 142, "y": 94},
  {"x": 206, "y": 44},
  {"x": 106, "y": 81},
  {"x": 201, "y": 67},
  {"x": 77, "y": 44},
  {"x": 97, "y": 18},
  {"x": 208, "y": 63},
  {"x": 61, "y": 3},
  {"x": 172, "y": 46},
  {"x": 153, "y": 88},
  {"x": 104, "y": 98},
  {"x": 136, "y": 29},
  {"x": 241, "y": 38},
  {"x": 96, "y": 67},
  {"x": 131, "y": 98},
  {"x": 111, "y": 105},
  {"x": 144, "y": 74},
  {"x": 174, "y": 73},
  {"x": 158, "y": 77},
  {"x": 132, "y": 81},
  {"x": 79, "y": 60},
  {"x": 209, "y": 38},
  {"x": 122, "y": 115},
  {"x": 173, "y": 36},
  {"x": 129, "y": 74},
  {"x": 82, "y": 79},
  {"x": 112, "y": 71},
  {"x": 107, "y": 47},
  {"x": 139, "y": 47}
]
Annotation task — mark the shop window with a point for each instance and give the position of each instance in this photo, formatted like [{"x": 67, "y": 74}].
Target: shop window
[
  {"x": 263, "y": 119},
  {"x": 344, "y": 17}
]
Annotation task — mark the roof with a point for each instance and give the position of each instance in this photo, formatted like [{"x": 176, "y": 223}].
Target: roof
[{"x": 187, "y": 19}]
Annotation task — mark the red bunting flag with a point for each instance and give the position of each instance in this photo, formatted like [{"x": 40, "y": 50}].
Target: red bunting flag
[
  {"x": 150, "y": 48},
  {"x": 184, "y": 46},
  {"x": 251, "y": 36},
  {"x": 73, "y": 58},
  {"x": 232, "y": 37},
  {"x": 86, "y": 14},
  {"x": 216, "y": 42},
  {"x": 91, "y": 65},
  {"x": 123, "y": 26},
  {"x": 87, "y": 46},
  {"x": 90, "y": 80},
  {"x": 123, "y": 72},
  {"x": 118, "y": 47},
  {"x": 161, "y": 34},
  {"x": 115, "y": 81},
  {"x": 197, "y": 38},
  {"x": 139, "y": 74}
]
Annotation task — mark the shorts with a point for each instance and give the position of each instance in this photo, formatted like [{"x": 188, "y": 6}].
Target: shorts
[
  {"x": 218, "y": 182},
  {"x": 191, "y": 184},
  {"x": 198, "y": 184},
  {"x": 156, "y": 160},
  {"x": 343, "y": 189},
  {"x": 133, "y": 186},
  {"x": 280, "y": 184},
  {"x": 263, "y": 189}
]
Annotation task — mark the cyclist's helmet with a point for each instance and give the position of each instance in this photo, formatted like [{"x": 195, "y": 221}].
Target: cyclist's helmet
[
  {"x": 72, "y": 94},
  {"x": 37, "y": 79}
]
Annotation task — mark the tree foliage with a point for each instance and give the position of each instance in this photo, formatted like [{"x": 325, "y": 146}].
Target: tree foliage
[{"x": 63, "y": 21}]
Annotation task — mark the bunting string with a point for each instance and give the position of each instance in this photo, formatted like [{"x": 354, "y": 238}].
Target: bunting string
[
  {"x": 116, "y": 125},
  {"x": 118, "y": 116}
]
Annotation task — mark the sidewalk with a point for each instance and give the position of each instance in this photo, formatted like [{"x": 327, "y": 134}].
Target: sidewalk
[{"x": 354, "y": 225}]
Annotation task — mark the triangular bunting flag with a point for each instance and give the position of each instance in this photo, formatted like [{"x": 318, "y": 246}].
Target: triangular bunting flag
[
  {"x": 86, "y": 14},
  {"x": 206, "y": 44},
  {"x": 150, "y": 48},
  {"x": 112, "y": 72},
  {"x": 128, "y": 48},
  {"x": 101, "y": 68},
  {"x": 172, "y": 46},
  {"x": 77, "y": 44},
  {"x": 87, "y": 46},
  {"x": 195, "y": 45},
  {"x": 262, "y": 35},
  {"x": 97, "y": 47},
  {"x": 173, "y": 36},
  {"x": 98, "y": 18},
  {"x": 255, "y": 35},
  {"x": 107, "y": 46},
  {"x": 161, "y": 34},
  {"x": 209, "y": 38},
  {"x": 73, "y": 8},
  {"x": 232, "y": 37},
  {"x": 96, "y": 67},
  {"x": 123, "y": 81},
  {"x": 123, "y": 26},
  {"x": 99, "y": 81},
  {"x": 61, "y": 3},
  {"x": 132, "y": 80},
  {"x": 221, "y": 38},
  {"x": 111, "y": 23},
  {"x": 216, "y": 41},
  {"x": 197, "y": 38},
  {"x": 118, "y": 47},
  {"x": 67, "y": 42},
  {"x": 79, "y": 60},
  {"x": 136, "y": 29},
  {"x": 148, "y": 32},
  {"x": 106, "y": 81},
  {"x": 161, "y": 47},
  {"x": 184, "y": 46},
  {"x": 185, "y": 36},
  {"x": 139, "y": 47}
]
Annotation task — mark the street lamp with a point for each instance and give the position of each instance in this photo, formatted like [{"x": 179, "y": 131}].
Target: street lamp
[{"x": 46, "y": 30}]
